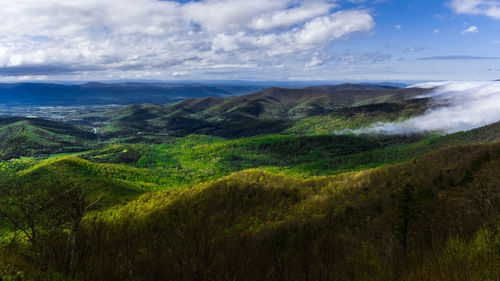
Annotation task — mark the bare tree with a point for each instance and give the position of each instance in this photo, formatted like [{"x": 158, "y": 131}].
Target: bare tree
[
  {"x": 76, "y": 200},
  {"x": 35, "y": 210}
]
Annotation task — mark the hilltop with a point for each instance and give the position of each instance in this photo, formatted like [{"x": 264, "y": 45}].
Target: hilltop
[
  {"x": 45, "y": 136},
  {"x": 352, "y": 87},
  {"x": 274, "y": 110}
]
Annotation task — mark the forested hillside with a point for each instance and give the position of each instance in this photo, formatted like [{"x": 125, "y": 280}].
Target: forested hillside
[
  {"x": 272, "y": 111},
  {"x": 421, "y": 219},
  {"x": 46, "y": 137},
  {"x": 257, "y": 187}
]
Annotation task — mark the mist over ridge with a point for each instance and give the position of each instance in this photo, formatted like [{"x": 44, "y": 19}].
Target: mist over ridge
[{"x": 457, "y": 106}]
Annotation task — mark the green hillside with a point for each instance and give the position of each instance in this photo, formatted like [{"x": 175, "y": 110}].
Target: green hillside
[
  {"x": 47, "y": 137},
  {"x": 403, "y": 222},
  {"x": 359, "y": 117},
  {"x": 257, "y": 187},
  {"x": 195, "y": 158},
  {"x": 373, "y": 225},
  {"x": 274, "y": 110}
]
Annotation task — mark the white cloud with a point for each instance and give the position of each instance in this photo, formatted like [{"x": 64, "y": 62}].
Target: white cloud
[
  {"x": 398, "y": 27},
  {"x": 156, "y": 36},
  {"x": 315, "y": 61},
  {"x": 224, "y": 16},
  {"x": 471, "y": 29},
  {"x": 286, "y": 18},
  {"x": 436, "y": 31},
  {"x": 459, "y": 106},
  {"x": 490, "y": 8},
  {"x": 324, "y": 29}
]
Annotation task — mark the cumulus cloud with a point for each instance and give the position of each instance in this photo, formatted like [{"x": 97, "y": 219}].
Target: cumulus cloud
[
  {"x": 226, "y": 16},
  {"x": 459, "y": 106},
  {"x": 286, "y": 18},
  {"x": 156, "y": 36},
  {"x": 315, "y": 61},
  {"x": 323, "y": 29},
  {"x": 490, "y": 8},
  {"x": 471, "y": 29}
]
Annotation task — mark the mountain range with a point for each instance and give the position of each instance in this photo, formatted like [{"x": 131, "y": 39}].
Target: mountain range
[
  {"x": 261, "y": 186},
  {"x": 94, "y": 93},
  {"x": 271, "y": 111}
]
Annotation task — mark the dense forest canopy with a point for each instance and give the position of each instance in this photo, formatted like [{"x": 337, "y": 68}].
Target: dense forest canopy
[{"x": 266, "y": 188}]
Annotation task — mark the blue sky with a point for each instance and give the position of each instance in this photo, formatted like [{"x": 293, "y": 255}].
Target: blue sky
[
  {"x": 356, "y": 40},
  {"x": 428, "y": 40}
]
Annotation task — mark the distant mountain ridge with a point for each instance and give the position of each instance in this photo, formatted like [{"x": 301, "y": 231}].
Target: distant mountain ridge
[
  {"x": 352, "y": 87},
  {"x": 94, "y": 93},
  {"x": 98, "y": 93},
  {"x": 273, "y": 110}
]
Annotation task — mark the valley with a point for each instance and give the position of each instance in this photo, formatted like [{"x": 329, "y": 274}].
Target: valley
[{"x": 262, "y": 186}]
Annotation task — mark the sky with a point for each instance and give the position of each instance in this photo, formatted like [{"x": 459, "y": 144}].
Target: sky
[{"x": 254, "y": 40}]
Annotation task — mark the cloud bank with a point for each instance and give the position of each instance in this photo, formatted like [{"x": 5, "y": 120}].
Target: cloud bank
[
  {"x": 459, "y": 106},
  {"x": 170, "y": 37}
]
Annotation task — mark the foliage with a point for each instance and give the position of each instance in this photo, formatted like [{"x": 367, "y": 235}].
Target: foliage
[
  {"x": 272, "y": 207},
  {"x": 256, "y": 225}
]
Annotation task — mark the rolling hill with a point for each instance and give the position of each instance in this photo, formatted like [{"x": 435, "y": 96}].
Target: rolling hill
[
  {"x": 375, "y": 225},
  {"x": 352, "y": 87},
  {"x": 194, "y": 159},
  {"x": 421, "y": 219},
  {"x": 252, "y": 187},
  {"x": 274, "y": 110},
  {"x": 45, "y": 136}
]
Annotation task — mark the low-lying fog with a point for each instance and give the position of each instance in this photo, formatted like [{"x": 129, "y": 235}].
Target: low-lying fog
[{"x": 458, "y": 106}]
